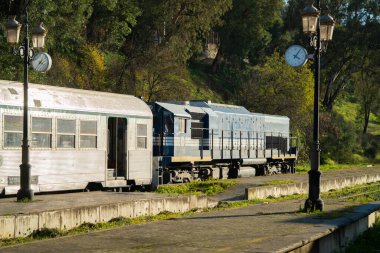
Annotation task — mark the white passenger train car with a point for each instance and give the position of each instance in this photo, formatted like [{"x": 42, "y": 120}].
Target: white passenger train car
[{"x": 78, "y": 138}]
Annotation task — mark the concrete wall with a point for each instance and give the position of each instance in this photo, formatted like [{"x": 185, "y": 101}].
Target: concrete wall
[
  {"x": 21, "y": 225},
  {"x": 343, "y": 231},
  {"x": 303, "y": 187}
]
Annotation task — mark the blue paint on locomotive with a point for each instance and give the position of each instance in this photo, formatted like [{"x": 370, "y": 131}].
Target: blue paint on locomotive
[{"x": 201, "y": 131}]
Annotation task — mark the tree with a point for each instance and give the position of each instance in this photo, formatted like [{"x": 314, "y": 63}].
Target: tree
[
  {"x": 276, "y": 88},
  {"x": 367, "y": 87},
  {"x": 245, "y": 33},
  {"x": 168, "y": 34}
]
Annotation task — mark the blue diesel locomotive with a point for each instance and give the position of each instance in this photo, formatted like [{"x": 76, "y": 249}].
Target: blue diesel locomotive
[{"x": 201, "y": 139}]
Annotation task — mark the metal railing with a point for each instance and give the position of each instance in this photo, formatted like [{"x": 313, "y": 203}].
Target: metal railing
[{"x": 252, "y": 143}]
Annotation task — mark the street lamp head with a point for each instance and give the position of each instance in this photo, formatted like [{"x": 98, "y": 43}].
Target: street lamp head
[
  {"x": 13, "y": 30},
  {"x": 38, "y": 36},
  {"x": 327, "y": 27},
  {"x": 310, "y": 16}
]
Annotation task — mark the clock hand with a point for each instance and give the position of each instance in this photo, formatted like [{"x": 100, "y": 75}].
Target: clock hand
[{"x": 296, "y": 55}]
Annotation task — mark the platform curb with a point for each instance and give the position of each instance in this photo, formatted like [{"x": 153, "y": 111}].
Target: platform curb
[
  {"x": 22, "y": 225},
  {"x": 261, "y": 192},
  {"x": 335, "y": 235}
]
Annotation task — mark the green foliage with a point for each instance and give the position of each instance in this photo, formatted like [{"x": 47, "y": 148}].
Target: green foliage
[
  {"x": 359, "y": 193},
  {"x": 339, "y": 138},
  {"x": 246, "y": 29},
  {"x": 368, "y": 242},
  {"x": 330, "y": 165},
  {"x": 209, "y": 187},
  {"x": 276, "y": 88}
]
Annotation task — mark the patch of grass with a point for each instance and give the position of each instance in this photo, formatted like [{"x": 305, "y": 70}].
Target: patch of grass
[
  {"x": 368, "y": 242},
  {"x": 349, "y": 110},
  {"x": 336, "y": 213},
  {"x": 209, "y": 187},
  {"x": 360, "y": 193},
  {"x": 25, "y": 200},
  {"x": 302, "y": 168},
  {"x": 278, "y": 182}
]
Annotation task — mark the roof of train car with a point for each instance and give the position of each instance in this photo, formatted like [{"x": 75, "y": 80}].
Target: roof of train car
[
  {"x": 223, "y": 108},
  {"x": 176, "y": 109},
  {"x": 280, "y": 117},
  {"x": 69, "y": 99}
]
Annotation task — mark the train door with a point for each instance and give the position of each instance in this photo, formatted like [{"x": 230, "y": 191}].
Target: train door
[{"x": 117, "y": 159}]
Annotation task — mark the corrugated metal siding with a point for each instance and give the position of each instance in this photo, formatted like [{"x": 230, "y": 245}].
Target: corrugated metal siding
[
  {"x": 59, "y": 98},
  {"x": 140, "y": 166}
]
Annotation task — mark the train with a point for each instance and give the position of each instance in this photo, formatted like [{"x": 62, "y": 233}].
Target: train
[{"x": 82, "y": 139}]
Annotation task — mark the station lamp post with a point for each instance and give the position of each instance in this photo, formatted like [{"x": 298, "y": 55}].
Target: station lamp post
[
  {"x": 26, "y": 53},
  {"x": 320, "y": 30}
]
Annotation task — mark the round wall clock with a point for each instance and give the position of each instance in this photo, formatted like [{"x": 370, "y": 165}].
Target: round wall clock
[
  {"x": 41, "y": 62},
  {"x": 296, "y": 56}
]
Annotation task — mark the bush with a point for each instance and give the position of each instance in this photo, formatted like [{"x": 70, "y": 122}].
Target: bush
[{"x": 339, "y": 139}]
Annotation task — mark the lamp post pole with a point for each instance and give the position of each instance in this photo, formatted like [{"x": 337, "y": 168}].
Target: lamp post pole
[
  {"x": 25, "y": 191},
  {"x": 314, "y": 200},
  {"x": 13, "y": 29}
]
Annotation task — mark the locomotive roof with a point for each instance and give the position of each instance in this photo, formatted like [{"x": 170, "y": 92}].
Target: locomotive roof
[
  {"x": 223, "y": 108},
  {"x": 270, "y": 117},
  {"x": 69, "y": 99},
  {"x": 176, "y": 109}
]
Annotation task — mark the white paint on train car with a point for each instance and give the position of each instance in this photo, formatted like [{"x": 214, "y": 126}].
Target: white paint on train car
[{"x": 55, "y": 168}]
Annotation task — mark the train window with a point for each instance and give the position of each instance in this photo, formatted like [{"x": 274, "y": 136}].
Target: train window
[
  {"x": 141, "y": 138},
  {"x": 196, "y": 129},
  {"x": 12, "y": 131},
  {"x": 182, "y": 125},
  {"x": 168, "y": 124},
  {"x": 41, "y": 132},
  {"x": 88, "y": 134},
  {"x": 66, "y": 133}
]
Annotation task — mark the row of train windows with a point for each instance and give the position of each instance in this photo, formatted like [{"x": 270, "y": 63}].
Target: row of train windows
[{"x": 42, "y": 132}]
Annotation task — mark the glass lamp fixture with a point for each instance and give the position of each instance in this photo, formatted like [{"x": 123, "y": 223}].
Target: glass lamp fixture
[
  {"x": 38, "y": 36},
  {"x": 310, "y": 16},
  {"x": 326, "y": 27},
  {"x": 13, "y": 29}
]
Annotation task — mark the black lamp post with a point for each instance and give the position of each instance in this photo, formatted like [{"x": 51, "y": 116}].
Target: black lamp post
[
  {"x": 320, "y": 30},
  {"x": 13, "y": 29}
]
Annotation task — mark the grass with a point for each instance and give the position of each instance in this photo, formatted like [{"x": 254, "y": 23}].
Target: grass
[
  {"x": 279, "y": 182},
  {"x": 209, "y": 187},
  {"x": 368, "y": 242},
  {"x": 349, "y": 110},
  {"x": 359, "y": 193},
  {"x": 302, "y": 168},
  {"x": 374, "y": 124}
]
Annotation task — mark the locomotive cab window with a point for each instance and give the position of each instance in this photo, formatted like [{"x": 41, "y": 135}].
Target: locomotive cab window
[
  {"x": 66, "y": 133},
  {"x": 41, "y": 132},
  {"x": 12, "y": 131},
  {"x": 88, "y": 134},
  {"x": 182, "y": 125},
  {"x": 141, "y": 136}
]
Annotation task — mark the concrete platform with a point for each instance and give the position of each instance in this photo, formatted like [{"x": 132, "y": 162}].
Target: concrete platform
[
  {"x": 274, "y": 227},
  {"x": 66, "y": 211},
  {"x": 302, "y": 187}
]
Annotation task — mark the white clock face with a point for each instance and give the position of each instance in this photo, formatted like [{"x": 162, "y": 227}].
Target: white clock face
[
  {"x": 296, "y": 56},
  {"x": 41, "y": 62}
]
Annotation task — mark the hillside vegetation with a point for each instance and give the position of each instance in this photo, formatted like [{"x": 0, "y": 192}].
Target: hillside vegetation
[{"x": 158, "y": 49}]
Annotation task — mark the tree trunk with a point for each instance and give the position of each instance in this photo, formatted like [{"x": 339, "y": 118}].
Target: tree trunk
[
  {"x": 217, "y": 61},
  {"x": 367, "y": 112}
]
